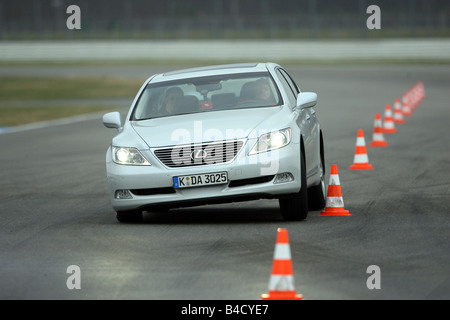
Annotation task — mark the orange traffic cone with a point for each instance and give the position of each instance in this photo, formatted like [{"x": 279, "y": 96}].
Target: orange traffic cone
[
  {"x": 378, "y": 137},
  {"x": 361, "y": 160},
  {"x": 281, "y": 283},
  {"x": 421, "y": 91},
  {"x": 389, "y": 126},
  {"x": 415, "y": 96},
  {"x": 406, "y": 108},
  {"x": 398, "y": 113},
  {"x": 335, "y": 202}
]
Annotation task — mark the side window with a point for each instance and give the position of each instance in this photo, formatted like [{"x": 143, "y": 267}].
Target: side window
[
  {"x": 291, "y": 82},
  {"x": 292, "y": 97}
]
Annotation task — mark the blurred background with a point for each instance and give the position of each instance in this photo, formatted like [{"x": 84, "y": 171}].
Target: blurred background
[{"x": 223, "y": 19}]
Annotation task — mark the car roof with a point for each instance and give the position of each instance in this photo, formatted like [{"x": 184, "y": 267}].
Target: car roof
[{"x": 212, "y": 70}]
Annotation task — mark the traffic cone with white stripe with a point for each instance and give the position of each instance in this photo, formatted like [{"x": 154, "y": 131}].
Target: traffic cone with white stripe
[
  {"x": 388, "y": 126},
  {"x": 421, "y": 88},
  {"x": 378, "y": 137},
  {"x": 398, "y": 113},
  {"x": 361, "y": 160},
  {"x": 281, "y": 283},
  {"x": 335, "y": 202},
  {"x": 406, "y": 108}
]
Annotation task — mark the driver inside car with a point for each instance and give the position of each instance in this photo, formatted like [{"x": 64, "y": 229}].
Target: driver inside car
[
  {"x": 173, "y": 95},
  {"x": 263, "y": 93}
]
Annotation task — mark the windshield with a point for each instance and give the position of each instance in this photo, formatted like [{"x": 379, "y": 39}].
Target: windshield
[{"x": 204, "y": 94}]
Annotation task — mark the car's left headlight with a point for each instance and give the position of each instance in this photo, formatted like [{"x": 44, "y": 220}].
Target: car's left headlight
[
  {"x": 272, "y": 140},
  {"x": 129, "y": 156}
]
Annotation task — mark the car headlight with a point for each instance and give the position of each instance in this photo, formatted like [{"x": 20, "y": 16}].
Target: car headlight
[
  {"x": 272, "y": 140},
  {"x": 130, "y": 156}
]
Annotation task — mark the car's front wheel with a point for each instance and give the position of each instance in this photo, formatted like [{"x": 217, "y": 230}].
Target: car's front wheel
[
  {"x": 129, "y": 216},
  {"x": 317, "y": 194},
  {"x": 295, "y": 207}
]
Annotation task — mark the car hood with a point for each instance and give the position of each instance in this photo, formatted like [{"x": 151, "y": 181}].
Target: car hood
[{"x": 205, "y": 126}]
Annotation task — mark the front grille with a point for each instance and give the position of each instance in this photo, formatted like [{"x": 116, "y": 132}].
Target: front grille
[{"x": 199, "y": 154}]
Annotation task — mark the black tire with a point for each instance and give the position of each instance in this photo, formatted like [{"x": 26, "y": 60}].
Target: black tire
[
  {"x": 317, "y": 194},
  {"x": 129, "y": 216},
  {"x": 295, "y": 207}
]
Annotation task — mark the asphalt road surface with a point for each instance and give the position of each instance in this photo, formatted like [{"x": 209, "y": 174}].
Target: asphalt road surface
[{"x": 55, "y": 211}]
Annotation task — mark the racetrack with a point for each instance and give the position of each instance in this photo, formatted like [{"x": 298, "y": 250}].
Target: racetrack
[{"x": 55, "y": 210}]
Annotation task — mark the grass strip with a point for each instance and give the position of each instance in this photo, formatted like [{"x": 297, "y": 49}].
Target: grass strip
[
  {"x": 51, "y": 88},
  {"x": 14, "y": 116}
]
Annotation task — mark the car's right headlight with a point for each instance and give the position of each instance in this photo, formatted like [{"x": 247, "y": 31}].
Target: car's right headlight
[
  {"x": 128, "y": 156},
  {"x": 272, "y": 140}
]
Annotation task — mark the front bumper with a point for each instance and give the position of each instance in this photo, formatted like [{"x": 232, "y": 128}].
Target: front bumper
[{"x": 250, "y": 177}]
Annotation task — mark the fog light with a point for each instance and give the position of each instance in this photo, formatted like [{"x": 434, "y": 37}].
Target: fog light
[
  {"x": 284, "y": 177},
  {"x": 123, "y": 194}
]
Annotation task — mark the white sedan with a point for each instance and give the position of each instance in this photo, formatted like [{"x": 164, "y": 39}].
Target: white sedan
[{"x": 217, "y": 134}]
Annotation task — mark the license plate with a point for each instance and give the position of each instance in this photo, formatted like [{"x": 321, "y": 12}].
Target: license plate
[{"x": 197, "y": 180}]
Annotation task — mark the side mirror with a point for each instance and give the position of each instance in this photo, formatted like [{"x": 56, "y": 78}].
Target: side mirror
[
  {"x": 306, "y": 100},
  {"x": 112, "y": 120}
]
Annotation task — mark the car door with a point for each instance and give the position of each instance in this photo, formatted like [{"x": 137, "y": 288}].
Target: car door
[{"x": 306, "y": 121}]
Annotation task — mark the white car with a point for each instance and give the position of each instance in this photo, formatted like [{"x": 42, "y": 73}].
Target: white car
[{"x": 217, "y": 134}]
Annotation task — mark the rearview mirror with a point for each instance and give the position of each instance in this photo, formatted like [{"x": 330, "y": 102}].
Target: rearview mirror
[
  {"x": 306, "y": 100},
  {"x": 112, "y": 120}
]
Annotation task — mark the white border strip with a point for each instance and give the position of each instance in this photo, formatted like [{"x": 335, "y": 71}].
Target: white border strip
[{"x": 63, "y": 50}]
